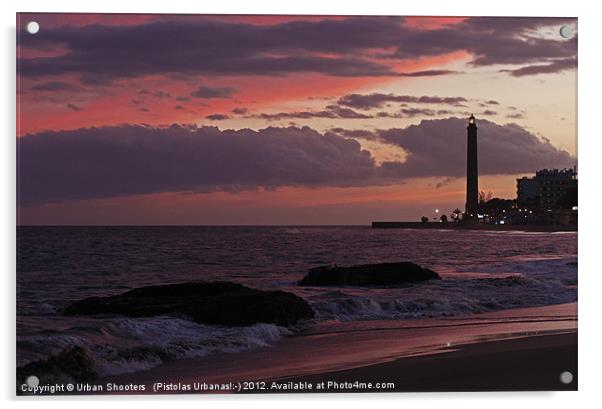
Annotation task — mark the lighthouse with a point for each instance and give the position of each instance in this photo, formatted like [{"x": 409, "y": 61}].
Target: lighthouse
[{"x": 472, "y": 170}]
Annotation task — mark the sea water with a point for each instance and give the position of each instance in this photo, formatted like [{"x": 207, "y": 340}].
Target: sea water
[{"x": 482, "y": 271}]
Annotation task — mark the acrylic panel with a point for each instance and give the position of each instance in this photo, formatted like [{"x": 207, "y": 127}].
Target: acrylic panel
[{"x": 295, "y": 204}]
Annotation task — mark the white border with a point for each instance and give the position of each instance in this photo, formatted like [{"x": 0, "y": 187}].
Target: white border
[{"x": 590, "y": 149}]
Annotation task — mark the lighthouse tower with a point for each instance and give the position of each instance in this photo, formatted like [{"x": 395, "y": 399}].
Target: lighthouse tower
[{"x": 472, "y": 171}]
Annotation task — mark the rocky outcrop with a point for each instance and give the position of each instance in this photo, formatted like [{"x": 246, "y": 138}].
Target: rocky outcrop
[
  {"x": 382, "y": 274},
  {"x": 216, "y": 303},
  {"x": 71, "y": 364}
]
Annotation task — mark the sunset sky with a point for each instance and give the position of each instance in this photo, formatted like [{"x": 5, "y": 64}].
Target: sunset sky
[{"x": 183, "y": 119}]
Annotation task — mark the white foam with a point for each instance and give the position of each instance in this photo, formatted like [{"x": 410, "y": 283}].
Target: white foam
[
  {"x": 514, "y": 284},
  {"x": 123, "y": 345}
]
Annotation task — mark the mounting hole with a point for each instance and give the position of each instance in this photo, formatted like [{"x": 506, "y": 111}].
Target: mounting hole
[
  {"x": 32, "y": 27},
  {"x": 32, "y": 381},
  {"x": 566, "y": 377},
  {"x": 566, "y": 32}
]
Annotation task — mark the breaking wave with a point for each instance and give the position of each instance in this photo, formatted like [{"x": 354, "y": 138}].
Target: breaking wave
[
  {"x": 481, "y": 271},
  {"x": 528, "y": 284},
  {"x": 122, "y": 345}
]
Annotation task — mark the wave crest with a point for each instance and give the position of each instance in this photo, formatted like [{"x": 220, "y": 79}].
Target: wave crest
[{"x": 122, "y": 345}]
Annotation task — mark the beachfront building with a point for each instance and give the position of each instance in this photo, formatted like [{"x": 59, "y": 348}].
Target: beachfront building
[
  {"x": 527, "y": 192},
  {"x": 548, "y": 189}
]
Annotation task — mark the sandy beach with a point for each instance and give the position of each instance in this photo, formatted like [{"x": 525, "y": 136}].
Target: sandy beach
[
  {"x": 520, "y": 349},
  {"x": 526, "y": 363}
]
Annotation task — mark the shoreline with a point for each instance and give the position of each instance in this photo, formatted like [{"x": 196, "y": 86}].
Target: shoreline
[
  {"x": 535, "y": 341},
  {"x": 532, "y": 363},
  {"x": 544, "y": 228},
  {"x": 380, "y": 224}
]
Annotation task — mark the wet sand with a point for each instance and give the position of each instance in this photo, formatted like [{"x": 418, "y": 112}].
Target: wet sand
[
  {"x": 521, "y": 349},
  {"x": 522, "y": 364}
]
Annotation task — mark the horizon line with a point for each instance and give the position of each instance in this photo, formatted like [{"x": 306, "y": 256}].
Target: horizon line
[{"x": 197, "y": 225}]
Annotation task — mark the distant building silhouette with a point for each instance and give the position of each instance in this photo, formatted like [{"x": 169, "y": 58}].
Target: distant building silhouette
[
  {"x": 527, "y": 192},
  {"x": 547, "y": 189},
  {"x": 472, "y": 171}
]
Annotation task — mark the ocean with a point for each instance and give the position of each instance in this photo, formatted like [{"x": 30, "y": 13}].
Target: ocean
[{"x": 482, "y": 271}]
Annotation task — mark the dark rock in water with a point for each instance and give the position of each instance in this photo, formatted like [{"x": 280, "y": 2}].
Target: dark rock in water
[
  {"x": 72, "y": 364},
  {"x": 216, "y": 303},
  {"x": 387, "y": 274}
]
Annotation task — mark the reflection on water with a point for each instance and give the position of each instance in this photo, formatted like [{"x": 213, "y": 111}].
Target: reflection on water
[{"x": 482, "y": 272}]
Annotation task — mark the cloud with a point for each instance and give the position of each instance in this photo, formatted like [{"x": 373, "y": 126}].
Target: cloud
[
  {"x": 378, "y": 100},
  {"x": 385, "y": 114},
  {"x": 278, "y": 116},
  {"x": 217, "y": 117},
  {"x": 516, "y": 115},
  {"x": 550, "y": 68},
  {"x": 363, "y": 102},
  {"x": 127, "y": 160},
  {"x": 161, "y": 94},
  {"x": 212, "y": 47},
  {"x": 331, "y": 112},
  {"x": 239, "y": 110},
  {"x": 438, "y": 148},
  {"x": 413, "y": 112},
  {"x": 56, "y": 166},
  {"x": 213, "y": 92},
  {"x": 347, "y": 113},
  {"x": 444, "y": 182},
  {"x": 354, "y": 46},
  {"x": 428, "y": 73},
  {"x": 355, "y": 133},
  {"x": 56, "y": 86},
  {"x": 509, "y": 40}
]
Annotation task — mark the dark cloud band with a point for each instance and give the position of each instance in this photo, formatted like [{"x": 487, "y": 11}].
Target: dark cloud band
[
  {"x": 378, "y": 100},
  {"x": 129, "y": 160},
  {"x": 353, "y": 46}
]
